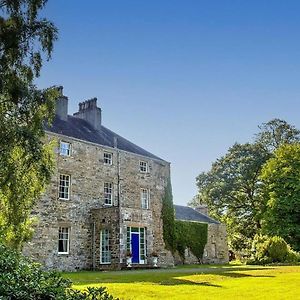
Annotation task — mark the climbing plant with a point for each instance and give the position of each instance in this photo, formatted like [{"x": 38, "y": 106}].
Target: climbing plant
[
  {"x": 191, "y": 235},
  {"x": 168, "y": 219}
]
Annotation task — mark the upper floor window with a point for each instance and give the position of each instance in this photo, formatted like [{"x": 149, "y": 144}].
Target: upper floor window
[
  {"x": 64, "y": 186},
  {"x": 108, "y": 193},
  {"x": 63, "y": 240},
  {"x": 107, "y": 156},
  {"x": 145, "y": 198},
  {"x": 65, "y": 148},
  {"x": 143, "y": 166},
  {"x": 104, "y": 247}
]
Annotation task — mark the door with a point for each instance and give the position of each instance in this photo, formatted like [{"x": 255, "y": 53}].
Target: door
[{"x": 135, "y": 247}]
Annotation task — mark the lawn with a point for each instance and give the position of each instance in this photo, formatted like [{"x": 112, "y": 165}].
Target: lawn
[{"x": 197, "y": 282}]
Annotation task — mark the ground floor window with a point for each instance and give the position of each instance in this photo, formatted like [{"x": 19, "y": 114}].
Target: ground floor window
[
  {"x": 104, "y": 247},
  {"x": 136, "y": 244},
  {"x": 63, "y": 240}
]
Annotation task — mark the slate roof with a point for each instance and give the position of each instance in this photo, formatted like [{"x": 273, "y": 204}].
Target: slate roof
[
  {"x": 80, "y": 129},
  {"x": 186, "y": 213}
]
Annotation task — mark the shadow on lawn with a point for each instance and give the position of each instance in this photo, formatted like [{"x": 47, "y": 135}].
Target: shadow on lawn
[{"x": 177, "y": 281}]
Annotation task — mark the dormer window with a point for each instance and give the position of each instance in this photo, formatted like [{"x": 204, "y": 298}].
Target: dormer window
[
  {"x": 107, "y": 157},
  {"x": 65, "y": 148},
  {"x": 143, "y": 166}
]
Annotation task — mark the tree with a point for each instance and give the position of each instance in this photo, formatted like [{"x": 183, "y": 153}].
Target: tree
[
  {"x": 168, "y": 218},
  {"x": 281, "y": 182},
  {"x": 275, "y": 133},
  {"x": 25, "y": 159},
  {"x": 231, "y": 189}
]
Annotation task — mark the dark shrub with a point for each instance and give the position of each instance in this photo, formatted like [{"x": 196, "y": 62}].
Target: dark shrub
[
  {"x": 22, "y": 279},
  {"x": 274, "y": 249}
]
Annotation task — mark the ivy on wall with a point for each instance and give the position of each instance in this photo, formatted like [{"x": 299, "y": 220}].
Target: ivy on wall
[
  {"x": 179, "y": 235},
  {"x": 168, "y": 219},
  {"x": 191, "y": 235}
]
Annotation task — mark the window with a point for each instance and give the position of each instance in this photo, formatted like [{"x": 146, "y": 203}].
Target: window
[
  {"x": 145, "y": 198},
  {"x": 65, "y": 148},
  {"x": 64, "y": 186},
  {"x": 107, "y": 158},
  {"x": 63, "y": 240},
  {"x": 143, "y": 166},
  {"x": 108, "y": 193},
  {"x": 104, "y": 247}
]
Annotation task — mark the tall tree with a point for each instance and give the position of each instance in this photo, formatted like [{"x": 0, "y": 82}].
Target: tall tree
[
  {"x": 231, "y": 191},
  {"x": 275, "y": 133},
  {"x": 281, "y": 182},
  {"x": 25, "y": 160}
]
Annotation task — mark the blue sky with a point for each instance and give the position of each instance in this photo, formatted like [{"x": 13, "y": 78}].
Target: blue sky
[{"x": 183, "y": 79}]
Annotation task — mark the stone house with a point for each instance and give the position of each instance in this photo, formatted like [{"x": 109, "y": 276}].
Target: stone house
[
  {"x": 216, "y": 249},
  {"x": 104, "y": 199}
]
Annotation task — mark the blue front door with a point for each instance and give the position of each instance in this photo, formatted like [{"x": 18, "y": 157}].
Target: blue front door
[{"x": 135, "y": 247}]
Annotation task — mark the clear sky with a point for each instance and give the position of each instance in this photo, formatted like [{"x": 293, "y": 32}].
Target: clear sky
[{"x": 183, "y": 79}]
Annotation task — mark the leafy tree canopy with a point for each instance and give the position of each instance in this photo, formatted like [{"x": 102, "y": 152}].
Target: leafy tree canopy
[
  {"x": 25, "y": 160},
  {"x": 232, "y": 188},
  {"x": 281, "y": 182},
  {"x": 275, "y": 133}
]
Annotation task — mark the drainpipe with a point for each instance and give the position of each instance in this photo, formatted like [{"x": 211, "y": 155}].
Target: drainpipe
[
  {"x": 118, "y": 192},
  {"x": 94, "y": 245}
]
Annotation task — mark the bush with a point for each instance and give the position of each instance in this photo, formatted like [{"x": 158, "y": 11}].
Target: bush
[
  {"x": 274, "y": 249},
  {"x": 22, "y": 279}
]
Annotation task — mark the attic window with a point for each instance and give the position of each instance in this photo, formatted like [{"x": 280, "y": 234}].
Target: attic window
[
  {"x": 143, "y": 166},
  {"x": 65, "y": 148}
]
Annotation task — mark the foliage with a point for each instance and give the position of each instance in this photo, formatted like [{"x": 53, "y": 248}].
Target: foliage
[
  {"x": 281, "y": 181},
  {"x": 22, "y": 279},
  {"x": 191, "y": 235},
  {"x": 231, "y": 191},
  {"x": 233, "y": 188},
  {"x": 25, "y": 161},
  {"x": 275, "y": 133},
  {"x": 168, "y": 219},
  {"x": 274, "y": 249}
]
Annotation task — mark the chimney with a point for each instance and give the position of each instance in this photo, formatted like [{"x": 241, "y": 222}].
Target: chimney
[
  {"x": 202, "y": 208},
  {"x": 89, "y": 111},
  {"x": 61, "y": 105}
]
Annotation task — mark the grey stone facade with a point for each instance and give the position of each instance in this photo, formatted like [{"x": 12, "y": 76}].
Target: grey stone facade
[
  {"x": 80, "y": 224},
  {"x": 85, "y": 214}
]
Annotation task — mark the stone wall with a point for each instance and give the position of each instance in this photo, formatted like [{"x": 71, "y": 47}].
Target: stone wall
[{"x": 88, "y": 173}]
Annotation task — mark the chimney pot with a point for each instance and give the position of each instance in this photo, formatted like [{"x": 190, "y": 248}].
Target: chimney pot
[{"x": 89, "y": 111}]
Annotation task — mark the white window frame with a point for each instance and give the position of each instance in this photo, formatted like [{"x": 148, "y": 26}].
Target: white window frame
[
  {"x": 65, "y": 148},
  {"x": 145, "y": 198},
  {"x": 67, "y": 186},
  {"x": 108, "y": 158},
  {"x": 105, "y": 253},
  {"x": 144, "y": 168},
  {"x": 64, "y": 236},
  {"x": 108, "y": 193}
]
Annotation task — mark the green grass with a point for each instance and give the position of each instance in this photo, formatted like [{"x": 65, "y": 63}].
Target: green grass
[{"x": 197, "y": 282}]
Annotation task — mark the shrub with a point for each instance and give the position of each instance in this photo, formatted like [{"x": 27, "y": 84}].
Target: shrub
[
  {"x": 274, "y": 249},
  {"x": 20, "y": 278}
]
